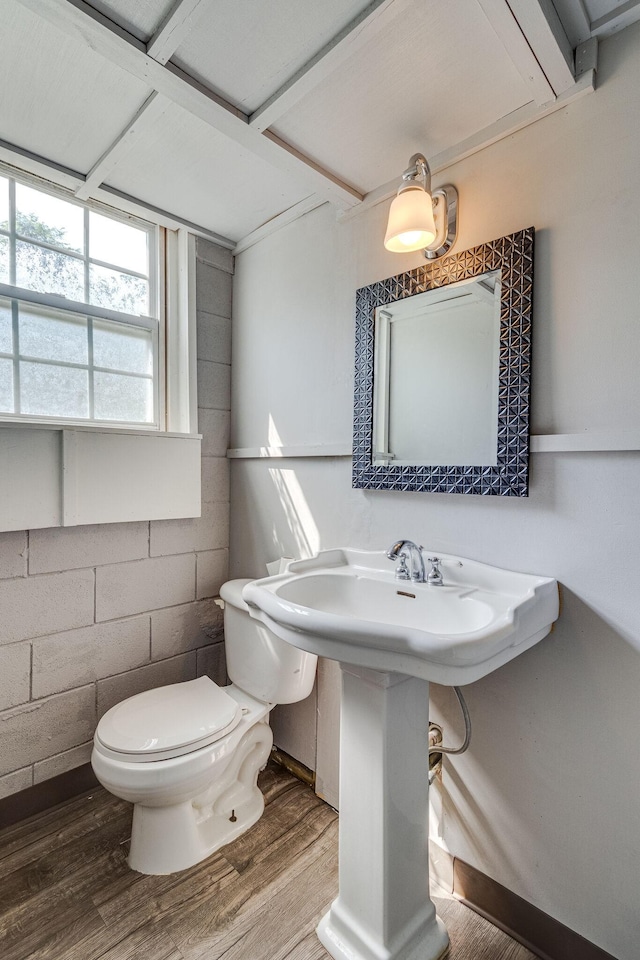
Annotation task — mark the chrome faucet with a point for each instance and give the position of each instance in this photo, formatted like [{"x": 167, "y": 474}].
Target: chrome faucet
[{"x": 403, "y": 550}]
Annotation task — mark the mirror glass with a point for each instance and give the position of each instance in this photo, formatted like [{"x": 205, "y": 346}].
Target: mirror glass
[
  {"x": 442, "y": 374},
  {"x": 436, "y": 376}
]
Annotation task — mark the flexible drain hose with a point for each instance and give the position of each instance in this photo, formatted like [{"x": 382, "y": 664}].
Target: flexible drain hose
[{"x": 441, "y": 748}]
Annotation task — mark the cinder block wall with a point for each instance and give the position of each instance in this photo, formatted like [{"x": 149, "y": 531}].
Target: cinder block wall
[{"x": 91, "y": 615}]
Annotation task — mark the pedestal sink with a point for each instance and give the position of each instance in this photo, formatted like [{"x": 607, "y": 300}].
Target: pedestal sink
[{"x": 391, "y": 638}]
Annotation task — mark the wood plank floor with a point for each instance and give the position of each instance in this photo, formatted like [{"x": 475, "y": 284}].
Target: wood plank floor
[{"x": 66, "y": 892}]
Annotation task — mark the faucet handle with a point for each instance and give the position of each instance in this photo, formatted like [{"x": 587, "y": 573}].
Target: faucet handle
[
  {"x": 434, "y": 577},
  {"x": 402, "y": 571}
]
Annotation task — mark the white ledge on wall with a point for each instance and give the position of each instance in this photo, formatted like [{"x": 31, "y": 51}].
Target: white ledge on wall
[
  {"x": 58, "y": 476},
  {"x": 596, "y": 441},
  {"x": 303, "y": 450},
  {"x": 608, "y": 441}
]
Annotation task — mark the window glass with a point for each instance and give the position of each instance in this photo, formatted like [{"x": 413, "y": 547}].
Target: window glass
[
  {"x": 65, "y": 267},
  {"x": 53, "y": 391},
  {"x": 6, "y": 385},
  {"x": 48, "y": 271},
  {"x": 118, "y": 243},
  {"x": 52, "y": 336},
  {"x": 118, "y": 397},
  {"x": 4, "y": 203},
  {"x": 118, "y": 291},
  {"x": 43, "y": 217},
  {"x": 123, "y": 348},
  {"x": 6, "y": 327},
  {"x": 4, "y": 259}
]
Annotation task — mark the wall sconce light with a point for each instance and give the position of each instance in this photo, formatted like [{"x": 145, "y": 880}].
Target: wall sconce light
[{"x": 420, "y": 219}]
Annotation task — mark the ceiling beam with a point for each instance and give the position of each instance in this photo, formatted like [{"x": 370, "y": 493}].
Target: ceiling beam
[
  {"x": 298, "y": 210},
  {"x": 577, "y": 22},
  {"x": 148, "y": 211},
  {"x": 621, "y": 16},
  {"x": 174, "y": 28},
  {"x": 26, "y": 161},
  {"x": 376, "y": 17},
  {"x": 499, "y": 15},
  {"x": 151, "y": 110},
  {"x": 540, "y": 23},
  {"x": 80, "y": 21}
]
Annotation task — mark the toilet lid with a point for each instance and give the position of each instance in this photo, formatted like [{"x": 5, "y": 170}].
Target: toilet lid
[{"x": 182, "y": 715}]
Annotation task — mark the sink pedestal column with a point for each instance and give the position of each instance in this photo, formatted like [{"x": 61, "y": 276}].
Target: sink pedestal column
[{"x": 383, "y": 910}]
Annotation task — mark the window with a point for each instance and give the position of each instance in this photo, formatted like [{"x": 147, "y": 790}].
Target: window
[{"x": 80, "y": 336}]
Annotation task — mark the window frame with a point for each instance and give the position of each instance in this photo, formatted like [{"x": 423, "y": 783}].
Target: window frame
[{"x": 158, "y": 250}]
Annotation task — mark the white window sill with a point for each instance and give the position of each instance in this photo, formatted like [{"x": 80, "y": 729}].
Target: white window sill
[
  {"x": 53, "y": 475},
  {"x": 138, "y": 431}
]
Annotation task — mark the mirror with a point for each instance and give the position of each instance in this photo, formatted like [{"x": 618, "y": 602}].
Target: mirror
[
  {"x": 438, "y": 349},
  {"x": 443, "y": 374}
]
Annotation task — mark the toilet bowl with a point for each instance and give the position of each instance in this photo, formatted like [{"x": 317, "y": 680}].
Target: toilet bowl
[{"x": 188, "y": 755}]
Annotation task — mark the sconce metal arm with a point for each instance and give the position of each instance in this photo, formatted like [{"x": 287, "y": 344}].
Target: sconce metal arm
[{"x": 419, "y": 170}]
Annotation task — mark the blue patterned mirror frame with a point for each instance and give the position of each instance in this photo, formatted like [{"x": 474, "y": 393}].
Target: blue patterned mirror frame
[{"x": 513, "y": 256}]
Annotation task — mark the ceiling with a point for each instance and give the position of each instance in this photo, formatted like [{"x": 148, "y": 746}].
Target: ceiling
[{"x": 233, "y": 117}]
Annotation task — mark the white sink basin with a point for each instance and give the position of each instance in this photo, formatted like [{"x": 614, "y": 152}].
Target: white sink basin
[{"x": 347, "y": 605}]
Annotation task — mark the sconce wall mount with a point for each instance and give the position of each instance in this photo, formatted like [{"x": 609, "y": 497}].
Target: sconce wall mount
[{"x": 420, "y": 218}]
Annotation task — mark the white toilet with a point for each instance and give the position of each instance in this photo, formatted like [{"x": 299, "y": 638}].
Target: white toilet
[{"x": 188, "y": 755}]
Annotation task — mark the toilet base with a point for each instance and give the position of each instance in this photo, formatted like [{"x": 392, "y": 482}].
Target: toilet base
[{"x": 166, "y": 839}]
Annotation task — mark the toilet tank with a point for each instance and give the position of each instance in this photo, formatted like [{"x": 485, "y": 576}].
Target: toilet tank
[{"x": 258, "y": 662}]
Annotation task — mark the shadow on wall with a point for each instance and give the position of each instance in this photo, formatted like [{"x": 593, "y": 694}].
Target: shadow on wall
[
  {"x": 553, "y": 759},
  {"x": 293, "y": 502},
  {"x": 297, "y": 513}
]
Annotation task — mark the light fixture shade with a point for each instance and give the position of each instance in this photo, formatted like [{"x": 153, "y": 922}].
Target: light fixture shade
[{"x": 411, "y": 225}]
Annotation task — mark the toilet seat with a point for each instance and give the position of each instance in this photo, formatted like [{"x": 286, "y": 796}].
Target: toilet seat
[{"x": 167, "y": 722}]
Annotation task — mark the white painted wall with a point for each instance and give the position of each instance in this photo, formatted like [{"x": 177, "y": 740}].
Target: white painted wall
[
  {"x": 546, "y": 800},
  {"x": 92, "y": 614}
]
